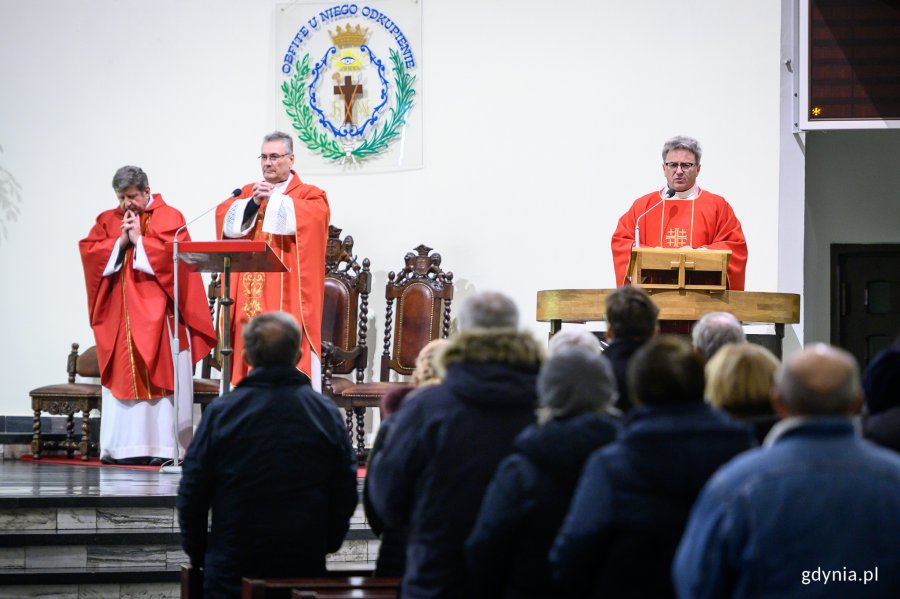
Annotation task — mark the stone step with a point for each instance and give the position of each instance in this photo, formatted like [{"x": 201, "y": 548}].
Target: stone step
[{"x": 80, "y": 532}]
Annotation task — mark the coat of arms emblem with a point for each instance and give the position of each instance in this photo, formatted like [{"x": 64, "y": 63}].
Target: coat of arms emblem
[{"x": 349, "y": 102}]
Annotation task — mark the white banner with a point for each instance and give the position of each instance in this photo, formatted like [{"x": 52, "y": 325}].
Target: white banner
[{"x": 350, "y": 84}]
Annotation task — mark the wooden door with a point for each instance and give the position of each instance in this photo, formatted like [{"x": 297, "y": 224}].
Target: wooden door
[{"x": 865, "y": 306}]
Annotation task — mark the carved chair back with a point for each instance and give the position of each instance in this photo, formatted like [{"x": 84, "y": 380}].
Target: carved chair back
[
  {"x": 345, "y": 311},
  {"x": 85, "y": 365},
  {"x": 423, "y": 293}
]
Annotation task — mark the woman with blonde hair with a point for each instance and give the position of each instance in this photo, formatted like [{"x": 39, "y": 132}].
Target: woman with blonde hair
[{"x": 739, "y": 380}]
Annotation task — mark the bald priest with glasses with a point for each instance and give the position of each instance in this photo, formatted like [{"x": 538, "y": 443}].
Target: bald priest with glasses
[
  {"x": 681, "y": 215},
  {"x": 292, "y": 217}
]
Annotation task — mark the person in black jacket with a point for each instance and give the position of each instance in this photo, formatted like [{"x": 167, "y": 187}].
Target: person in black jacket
[
  {"x": 391, "y": 561},
  {"x": 273, "y": 461},
  {"x": 635, "y": 494},
  {"x": 448, "y": 439},
  {"x": 881, "y": 383},
  {"x": 530, "y": 493}
]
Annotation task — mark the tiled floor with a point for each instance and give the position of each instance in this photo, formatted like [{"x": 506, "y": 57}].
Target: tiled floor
[{"x": 23, "y": 482}]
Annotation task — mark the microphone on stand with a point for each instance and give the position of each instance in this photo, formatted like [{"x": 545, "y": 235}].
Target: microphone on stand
[
  {"x": 175, "y": 468},
  {"x": 234, "y": 194},
  {"x": 637, "y": 228}
]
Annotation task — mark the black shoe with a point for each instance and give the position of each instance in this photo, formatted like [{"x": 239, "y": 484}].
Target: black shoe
[
  {"x": 158, "y": 461},
  {"x": 109, "y": 461}
]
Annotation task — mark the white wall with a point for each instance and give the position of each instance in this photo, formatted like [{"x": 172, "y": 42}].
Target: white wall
[
  {"x": 851, "y": 197},
  {"x": 520, "y": 191},
  {"x": 791, "y": 176}
]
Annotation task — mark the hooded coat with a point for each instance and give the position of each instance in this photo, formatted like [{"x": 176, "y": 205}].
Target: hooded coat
[
  {"x": 635, "y": 496},
  {"x": 443, "y": 449},
  {"x": 526, "y": 504}
]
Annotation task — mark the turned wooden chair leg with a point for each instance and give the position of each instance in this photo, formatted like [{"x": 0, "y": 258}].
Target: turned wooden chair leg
[
  {"x": 348, "y": 417},
  {"x": 85, "y": 445},
  {"x": 70, "y": 435},
  {"x": 361, "y": 453},
  {"x": 36, "y": 435}
]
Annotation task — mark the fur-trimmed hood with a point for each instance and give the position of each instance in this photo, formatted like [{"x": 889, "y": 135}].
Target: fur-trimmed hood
[
  {"x": 506, "y": 346},
  {"x": 493, "y": 369}
]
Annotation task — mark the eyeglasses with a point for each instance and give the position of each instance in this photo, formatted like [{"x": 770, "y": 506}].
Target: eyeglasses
[
  {"x": 272, "y": 157},
  {"x": 685, "y": 166}
]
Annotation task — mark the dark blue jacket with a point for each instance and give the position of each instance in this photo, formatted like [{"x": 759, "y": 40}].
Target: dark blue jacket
[
  {"x": 525, "y": 505},
  {"x": 811, "y": 515},
  {"x": 619, "y": 353},
  {"x": 273, "y": 462},
  {"x": 443, "y": 449},
  {"x": 635, "y": 496}
]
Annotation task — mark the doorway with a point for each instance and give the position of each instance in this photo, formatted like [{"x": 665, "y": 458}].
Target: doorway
[{"x": 865, "y": 298}]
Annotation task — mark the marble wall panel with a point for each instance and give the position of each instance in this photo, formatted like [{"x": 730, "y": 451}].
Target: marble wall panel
[
  {"x": 76, "y": 519},
  {"x": 55, "y": 557},
  {"x": 38, "y": 592},
  {"x": 28, "y": 519},
  {"x": 124, "y": 556},
  {"x": 98, "y": 591},
  {"x": 372, "y": 548},
  {"x": 136, "y": 517},
  {"x": 176, "y": 557},
  {"x": 350, "y": 551},
  {"x": 12, "y": 557},
  {"x": 358, "y": 519},
  {"x": 150, "y": 591}
]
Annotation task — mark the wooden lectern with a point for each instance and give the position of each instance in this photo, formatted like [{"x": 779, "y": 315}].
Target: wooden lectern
[
  {"x": 697, "y": 270},
  {"x": 228, "y": 256},
  {"x": 557, "y": 306}
]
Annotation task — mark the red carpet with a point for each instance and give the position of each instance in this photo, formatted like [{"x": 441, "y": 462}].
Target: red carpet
[
  {"x": 360, "y": 472},
  {"x": 77, "y": 461}
]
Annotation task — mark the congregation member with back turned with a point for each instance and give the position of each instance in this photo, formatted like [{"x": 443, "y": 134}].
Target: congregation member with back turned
[
  {"x": 530, "y": 493},
  {"x": 815, "y": 512},
  {"x": 635, "y": 494},
  {"x": 273, "y": 462},
  {"x": 446, "y": 443}
]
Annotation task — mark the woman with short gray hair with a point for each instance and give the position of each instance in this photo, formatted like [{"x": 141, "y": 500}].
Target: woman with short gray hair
[{"x": 529, "y": 495}]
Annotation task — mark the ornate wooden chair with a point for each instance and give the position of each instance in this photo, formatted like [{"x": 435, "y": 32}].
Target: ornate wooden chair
[
  {"x": 423, "y": 293},
  {"x": 69, "y": 398},
  {"x": 345, "y": 319}
]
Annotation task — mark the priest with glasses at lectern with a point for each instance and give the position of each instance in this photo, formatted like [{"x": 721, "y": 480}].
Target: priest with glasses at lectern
[{"x": 681, "y": 215}]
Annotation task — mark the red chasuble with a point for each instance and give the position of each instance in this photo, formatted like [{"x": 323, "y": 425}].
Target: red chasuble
[
  {"x": 299, "y": 291},
  {"x": 132, "y": 312},
  {"x": 707, "y": 221}
]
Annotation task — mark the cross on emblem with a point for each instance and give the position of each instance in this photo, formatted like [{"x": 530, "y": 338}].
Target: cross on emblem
[
  {"x": 676, "y": 237},
  {"x": 348, "y": 92}
]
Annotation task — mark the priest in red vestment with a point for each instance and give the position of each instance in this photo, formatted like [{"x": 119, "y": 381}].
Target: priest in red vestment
[
  {"x": 292, "y": 217},
  {"x": 681, "y": 215},
  {"x": 129, "y": 279}
]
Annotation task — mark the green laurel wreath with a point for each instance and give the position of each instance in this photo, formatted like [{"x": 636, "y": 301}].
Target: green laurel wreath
[{"x": 316, "y": 140}]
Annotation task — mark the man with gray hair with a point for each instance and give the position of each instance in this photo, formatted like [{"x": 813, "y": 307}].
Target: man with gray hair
[
  {"x": 681, "y": 215},
  {"x": 447, "y": 440},
  {"x": 292, "y": 217},
  {"x": 273, "y": 462},
  {"x": 764, "y": 524},
  {"x": 129, "y": 277},
  {"x": 714, "y": 330},
  {"x": 574, "y": 338}
]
